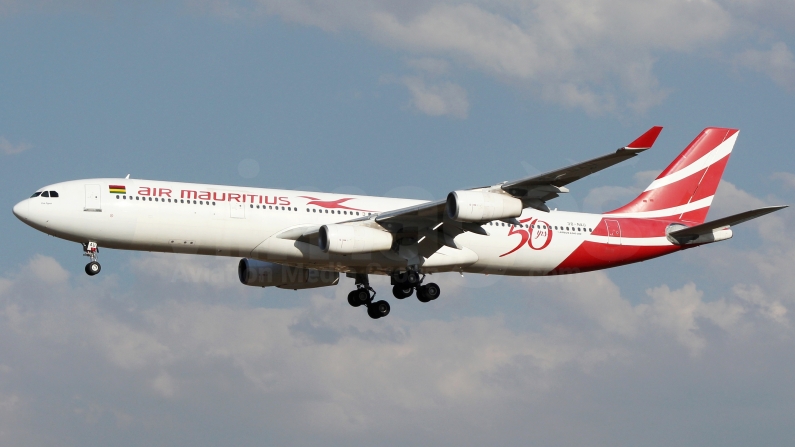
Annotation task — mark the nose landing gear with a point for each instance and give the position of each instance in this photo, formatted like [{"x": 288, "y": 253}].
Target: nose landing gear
[{"x": 91, "y": 250}]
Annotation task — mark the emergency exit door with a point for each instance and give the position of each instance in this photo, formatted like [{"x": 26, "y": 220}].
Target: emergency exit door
[
  {"x": 238, "y": 210},
  {"x": 93, "y": 201}
]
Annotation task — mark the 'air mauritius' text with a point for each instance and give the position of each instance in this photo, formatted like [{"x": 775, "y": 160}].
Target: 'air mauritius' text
[{"x": 214, "y": 195}]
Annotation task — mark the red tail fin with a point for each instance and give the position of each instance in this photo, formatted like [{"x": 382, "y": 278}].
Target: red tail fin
[{"x": 684, "y": 190}]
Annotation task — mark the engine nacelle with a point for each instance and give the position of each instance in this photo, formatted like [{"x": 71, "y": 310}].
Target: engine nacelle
[
  {"x": 266, "y": 274},
  {"x": 479, "y": 206},
  {"x": 350, "y": 239}
]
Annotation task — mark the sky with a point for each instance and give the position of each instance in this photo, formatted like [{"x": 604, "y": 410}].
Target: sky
[{"x": 402, "y": 99}]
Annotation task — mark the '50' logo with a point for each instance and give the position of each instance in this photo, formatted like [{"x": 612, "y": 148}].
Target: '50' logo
[{"x": 537, "y": 237}]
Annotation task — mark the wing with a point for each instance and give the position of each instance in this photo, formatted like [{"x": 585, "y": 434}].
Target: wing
[
  {"x": 547, "y": 186},
  {"x": 432, "y": 228}
]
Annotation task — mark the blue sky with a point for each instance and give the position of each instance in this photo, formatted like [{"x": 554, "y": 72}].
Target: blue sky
[{"x": 407, "y": 99}]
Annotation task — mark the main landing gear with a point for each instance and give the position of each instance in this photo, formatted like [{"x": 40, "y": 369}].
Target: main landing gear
[
  {"x": 362, "y": 297},
  {"x": 403, "y": 286},
  {"x": 91, "y": 250}
]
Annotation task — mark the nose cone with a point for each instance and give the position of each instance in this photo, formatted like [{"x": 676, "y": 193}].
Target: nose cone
[{"x": 22, "y": 210}]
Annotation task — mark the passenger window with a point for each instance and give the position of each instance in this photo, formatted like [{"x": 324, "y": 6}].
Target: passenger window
[
  {"x": 251, "y": 206},
  {"x": 181, "y": 201}
]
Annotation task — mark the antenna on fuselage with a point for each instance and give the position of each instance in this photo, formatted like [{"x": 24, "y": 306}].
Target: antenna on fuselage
[{"x": 128, "y": 176}]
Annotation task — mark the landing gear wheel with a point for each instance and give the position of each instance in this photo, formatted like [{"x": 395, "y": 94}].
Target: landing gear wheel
[
  {"x": 353, "y": 299},
  {"x": 92, "y": 268},
  {"x": 421, "y": 295},
  {"x": 412, "y": 277},
  {"x": 432, "y": 291},
  {"x": 378, "y": 309},
  {"x": 401, "y": 291},
  {"x": 91, "y": 250},
  {"x": 359, "y": 297}
]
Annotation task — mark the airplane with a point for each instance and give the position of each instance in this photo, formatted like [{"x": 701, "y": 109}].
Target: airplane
[{"x": 301, "y": 240}]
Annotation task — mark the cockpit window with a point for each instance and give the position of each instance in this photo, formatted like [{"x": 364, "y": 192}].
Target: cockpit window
[
  {"x": 35, "y": 194},
  {"x": 53, "y": 193},
  {"x": 45, "y": 194}
]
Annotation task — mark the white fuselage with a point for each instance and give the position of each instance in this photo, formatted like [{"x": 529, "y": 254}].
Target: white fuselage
[{"x": 246, "y": 222}]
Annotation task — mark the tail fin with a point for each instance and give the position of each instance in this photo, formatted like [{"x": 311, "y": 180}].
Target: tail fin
[{"x": 684, "y": 190}]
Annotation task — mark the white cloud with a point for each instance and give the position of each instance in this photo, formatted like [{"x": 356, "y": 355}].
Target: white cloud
[
  {"x": 597, "y": 56},
  {"x": 429, "y": 65},
  {"x": 517, "y": 360},
  {"x": 778, "y": 63},
  {"x": 8, "y": 148},
  {"x": 677, "y": 311},
  {"x": 594, "y": 55},
  {"x": 444, "y": 98},
  {"x": 787, "y": 178}
]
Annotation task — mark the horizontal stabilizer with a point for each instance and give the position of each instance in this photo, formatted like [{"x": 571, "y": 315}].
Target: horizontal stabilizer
[{"x": 691, "y": 233}]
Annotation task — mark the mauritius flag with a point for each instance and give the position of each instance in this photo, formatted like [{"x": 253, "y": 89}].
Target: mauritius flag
[{"x": 118, "y": 189}]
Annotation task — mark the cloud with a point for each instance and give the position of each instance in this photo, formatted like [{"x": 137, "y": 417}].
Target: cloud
[
  {"x": 445, "y": 98},
  {"x": 429, "y": 65},
  {"x": 8, "y": 148},
  {"x": 787, "y": 178},
  {"x": 177, "y": 350},
  {"x": 777, "y": 63},
  {"x": 575, "y": 53}
]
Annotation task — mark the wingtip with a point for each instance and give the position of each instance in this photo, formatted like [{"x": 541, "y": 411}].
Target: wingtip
[{"x": 646, "y": 140}]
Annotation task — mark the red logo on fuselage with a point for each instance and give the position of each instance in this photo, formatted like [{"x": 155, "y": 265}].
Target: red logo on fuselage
[
  {"x": 331, "y": 204},
  {"x": 537, "y": 237}
]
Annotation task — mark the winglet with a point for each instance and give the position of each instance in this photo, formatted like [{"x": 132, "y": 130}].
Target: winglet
[{"x": 646, "y": 140}]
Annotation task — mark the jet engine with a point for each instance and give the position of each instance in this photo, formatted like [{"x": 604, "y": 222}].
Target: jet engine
[
  {"x": 480, "y": 206},
  {"x": 349, "y": 239},
  {"x": 266, "y": 274}
]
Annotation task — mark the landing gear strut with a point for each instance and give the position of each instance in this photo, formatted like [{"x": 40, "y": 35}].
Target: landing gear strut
[
  {"x": 91, "y": 250},
  {"x": 362, "y": 297}
]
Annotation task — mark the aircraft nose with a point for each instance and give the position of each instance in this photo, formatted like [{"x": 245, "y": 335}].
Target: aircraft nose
[{"x": 21, "y": 210}]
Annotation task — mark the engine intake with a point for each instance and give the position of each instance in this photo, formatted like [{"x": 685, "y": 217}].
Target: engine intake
[
  {"x": 480, "y": 206},
  {"x": 266, "y": 274},
  {"x": 350, "y": 239}
]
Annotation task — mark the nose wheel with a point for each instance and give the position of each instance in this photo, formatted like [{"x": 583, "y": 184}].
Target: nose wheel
[
  {"x": 92, "y": 268},
  {"x": 91, "y": 250}
]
